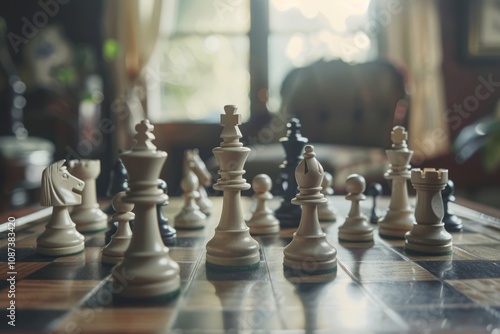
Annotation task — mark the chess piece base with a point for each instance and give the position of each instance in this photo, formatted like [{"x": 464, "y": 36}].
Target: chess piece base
[
  {"x": 311, "y": 254},
  {"x": 326, "y": 214},
  {"x": 452, "y": 223},
  {"x": 89, "y": 220},
  {"x": 139, "y": 283},
  {"x": 61, "y": 251},
  {"x": 356, "y": 229},
  {"x": 235, "y": 268},
  {"x": 262, "y": 230},
  {"x": 429, "y": 239},
  {"x": 395, "y": 224},
  {"x": 233, "y": 249},
  {"x": 265, "y": 224},
  {"x": 190, "y": 220}
]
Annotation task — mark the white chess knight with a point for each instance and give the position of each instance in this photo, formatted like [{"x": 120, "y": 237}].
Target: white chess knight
[
  {"x": 309, "y": 252},
  {"x": 399, "y": 219},
  {"x": 87, "y": 216},
  {"x": 60, "y": 190}
]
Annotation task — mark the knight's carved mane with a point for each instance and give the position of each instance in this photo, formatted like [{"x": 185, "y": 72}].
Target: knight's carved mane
[{"x": 49, "y": 193}]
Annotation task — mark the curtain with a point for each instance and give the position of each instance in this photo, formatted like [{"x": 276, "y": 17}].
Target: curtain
[
  {"x": 413, "y": 40},
  {"x": 134, "y": 26}
]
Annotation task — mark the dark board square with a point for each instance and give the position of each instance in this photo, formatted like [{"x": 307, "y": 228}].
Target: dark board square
[
  {"x": 439, "y": 319},
  {"x": 187, "y": 242},
  {"x": 27, "y": 255},
  {"x": 31, "y": 319},
  {"x": 415, "y": 293},
  {"x": 461, "y": 269},
  {"x": 72, "y": 271}
]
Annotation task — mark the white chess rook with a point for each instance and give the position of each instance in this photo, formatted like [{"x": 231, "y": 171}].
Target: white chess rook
[
  {"x": 428, "y": 235},
  {"x": 87, "y": 216},
  {"x": 309, "y": 251},
  {"x": 147, "y": 271},
  {"x": 232, "y": 248},
  {"x": 399, "y": 219},
  {"x": 356, "y": 227}
]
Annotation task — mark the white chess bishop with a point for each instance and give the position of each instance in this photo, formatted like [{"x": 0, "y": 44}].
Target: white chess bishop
[{"x": 309, "y": 252}]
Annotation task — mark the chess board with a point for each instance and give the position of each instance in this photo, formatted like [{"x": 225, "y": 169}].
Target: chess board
[{"x": 378, "y": 288}]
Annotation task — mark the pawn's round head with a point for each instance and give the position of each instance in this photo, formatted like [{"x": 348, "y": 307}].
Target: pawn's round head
[
  {"x": 449, "y": 189},
  {"x": 355, "y": 184},
  {"x": 119, "y": 205},
  {"x": 261, "y": 183}
]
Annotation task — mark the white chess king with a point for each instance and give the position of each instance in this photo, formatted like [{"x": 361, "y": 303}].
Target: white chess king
[
  {"x": 147, "y": 272},
  {"x": 232, "y": 248}
]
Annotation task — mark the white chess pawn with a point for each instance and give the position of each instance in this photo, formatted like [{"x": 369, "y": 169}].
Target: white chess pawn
[
  {"x": 428, "y": 235},
  {"x": 87, "y": 216},
  {"x": 326, "y": 212},
  {"x": 309, "y": 252},
  {"x": 190, "y": 217},
  {"x": 356, "y": 227},
  {"x": 113, "y": 252},
  {"x": 263, "y": 220},
  {"x": 60, "y": 190}
]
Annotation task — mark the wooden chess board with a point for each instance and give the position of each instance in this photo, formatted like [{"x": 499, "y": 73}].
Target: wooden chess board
[{"x": 377, "y": 288}]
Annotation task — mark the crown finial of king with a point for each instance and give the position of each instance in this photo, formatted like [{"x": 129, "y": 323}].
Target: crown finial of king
[
  {"x": 144, "y": 136},
  {"x": 399, "y": 136},
  {"x": 231, "y": 132}
]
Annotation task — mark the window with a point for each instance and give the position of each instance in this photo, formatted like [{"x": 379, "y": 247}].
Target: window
[{"x": 203, "y": 56}]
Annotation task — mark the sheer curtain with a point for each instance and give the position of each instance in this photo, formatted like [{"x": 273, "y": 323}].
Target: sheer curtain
[
  {"x": 134, "y": 25},
  {"x": 413, "y": 36}
]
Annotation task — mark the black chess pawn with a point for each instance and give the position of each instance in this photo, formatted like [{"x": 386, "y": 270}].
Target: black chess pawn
[
  {"x": 374, "y": 190},
  {"x": 289, "y": 214},
  {"x": 167, "y": 232},
  {"x": 118, "y": 182},
  {"x": 451, "y": 222}
]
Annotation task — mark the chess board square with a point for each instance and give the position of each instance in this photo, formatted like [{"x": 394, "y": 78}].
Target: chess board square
[
  {"x": 458, "y": 254},
  {"x": 224, "y": 295},
  {"x": 22, "y": 269},
  {"x": 90, "y": 254},
  {"x": 116, "y": 320},
  {"x": 386, "y": 271},
  {"x": 485, "y": 251},
  {"x": 35, "y": 320},
  {"x": 449, "y": 270},
  {"x": 471, "y": 239},
  {"x": 374, "y": 253},
  {"x": 49, "y": 294},
  {"x": 28, "y": 254},
  {"x": 183, "y": 254},
  {"x": 192, "y": 242},
  {"x": 415, "y": 293},
  {"x": 103, "y": 298},
  {"x": 425, "y": 319},
  {"x": 72, "y": 271},
  {"x": 226, "y": 321},
  {"x": 483, "y": 291}
]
